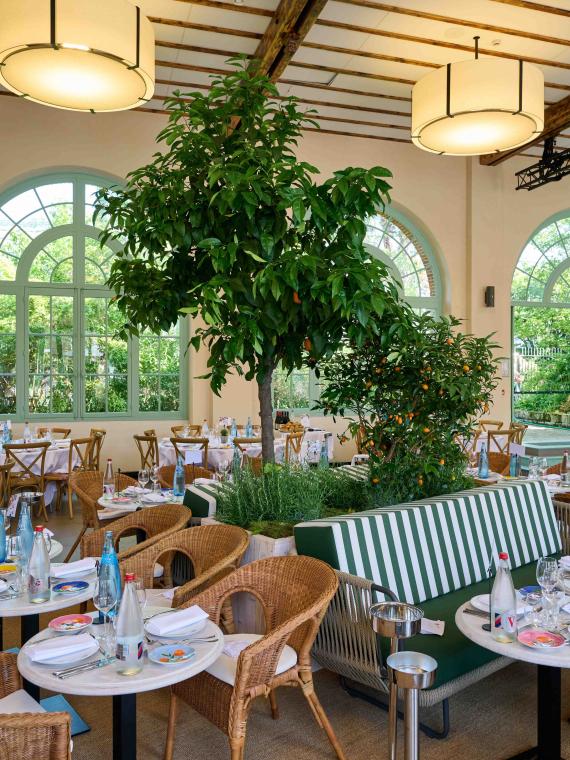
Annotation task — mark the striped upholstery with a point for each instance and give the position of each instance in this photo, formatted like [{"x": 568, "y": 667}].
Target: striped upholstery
[
  {"x": 201, "y": 498},
  {"x": 428, "y": 548}
]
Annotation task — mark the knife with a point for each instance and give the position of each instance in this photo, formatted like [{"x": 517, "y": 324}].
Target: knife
[{"x": 61, "y": 674}]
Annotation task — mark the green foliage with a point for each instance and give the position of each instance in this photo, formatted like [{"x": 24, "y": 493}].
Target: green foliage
[
  {"x": 408, "y": 393},
  {"x": 227, "y": 225},
  {"x": 341, "y": 492}
]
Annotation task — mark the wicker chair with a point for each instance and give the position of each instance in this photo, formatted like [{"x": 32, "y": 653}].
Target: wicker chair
[
  {"x": 295, "y": 592},
  {"x": 80, "y": 451},
  {"x": 192, "y": 471},
  {"x": 88, "y": 487},
  {"x": 155, "y": 522},
  {"x": 24, "y": 478},
  {"x": 561, "y": 504},
  {"x": 148, "y": 450},
  {"x": 55, "y": 431},
  {"x": 98, "y": 435},
  {"x": 177, "y": 441},
  {"x": 214, "y": 551},
  {"x": 30, "y": 736}
]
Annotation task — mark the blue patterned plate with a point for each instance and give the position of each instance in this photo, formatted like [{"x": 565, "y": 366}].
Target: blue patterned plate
[
  {"x": 171, "y": 654},
  {"x": 70, "y": 587}
]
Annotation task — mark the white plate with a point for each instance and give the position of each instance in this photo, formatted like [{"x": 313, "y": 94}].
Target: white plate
[
  {"x": 3, "y": 586},
  {"x": 71, "y": 659},
  {"x": 179, "y": 633},
  {"x": 481, "y": 602},
  {"x": 79, "y": 574}
]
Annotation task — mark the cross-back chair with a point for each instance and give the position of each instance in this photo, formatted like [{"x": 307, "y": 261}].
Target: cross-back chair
[
  {"x": 500, "y": 440},
  {"x": 486, "y": 424},
  {"x": 23, "y": 477},
  {"x": 98, "y": 435},
  {"x": 55, "y": 431},
  {"x": 5, "y": 482},
  {"x": 178, "y": 430},
  {"x": 178, "y": 444},
  {"x": 243, "y": 443},
  {"x": 148, "y": 450},
  {"x": 293, "y": 443},
  {"x": 191, "y": 472},
  {"x": 78, "y": 460},
  {"x": 294, "y": 592},
  {"x": 520, "y": 429}
]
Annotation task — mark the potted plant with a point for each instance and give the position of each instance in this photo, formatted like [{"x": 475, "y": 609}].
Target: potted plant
[
  {"x": 224, "y": 434},
  {"x": 225, "y": 224}
]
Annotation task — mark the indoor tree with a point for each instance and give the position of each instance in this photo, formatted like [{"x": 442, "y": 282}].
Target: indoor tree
[
  {"x": 227, "y": 225},
  {"x": 410, "y": 395}
]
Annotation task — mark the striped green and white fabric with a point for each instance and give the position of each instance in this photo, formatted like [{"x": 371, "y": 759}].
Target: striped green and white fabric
[
  {"x": 427, "y": 548},
  {"x": 201, "y": 497},
  {"x": 356, "y": 471}
]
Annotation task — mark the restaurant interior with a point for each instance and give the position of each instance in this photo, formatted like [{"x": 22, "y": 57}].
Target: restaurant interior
[{"x": 284, "y": 379}]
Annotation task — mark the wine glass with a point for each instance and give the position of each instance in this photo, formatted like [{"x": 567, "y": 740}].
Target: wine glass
[
  {"x": 222, "y": 468},
  {"x": 105, "y": 595},
  {"x": 143, "y": 478},
  {"x": 154, "y": 477},
  {"x": 547, "y": 574},
  {"x": 543, "y": 467},
  {"x": 533, "y": 468}
]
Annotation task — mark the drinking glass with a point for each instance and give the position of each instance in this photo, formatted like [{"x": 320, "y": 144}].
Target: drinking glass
[
  {"x": 532, "y": 602},
  {"x": 105, "y": 596},
  {"x": 141, "y": 593},
  {"x": 15, "y": 553},
  {"x": 222, "y": 468},
  {"x": 543, "y": 467},
  {"x": 547, "y": 574},
  {"x": 154, "y": 477},
  {"x": 533, "y": 468},
  {"x": 143, "y": 478}
]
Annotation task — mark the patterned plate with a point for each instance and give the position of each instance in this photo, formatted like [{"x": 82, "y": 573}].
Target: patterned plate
[
  {"x": 171, "y": 654},
  {"x": 70, "y": 623},
  {"x": 538, "y": 638},
  {"x": 70, "y": 587}
]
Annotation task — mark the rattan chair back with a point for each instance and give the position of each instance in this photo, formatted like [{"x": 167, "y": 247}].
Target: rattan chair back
[
  {"x": 148, "y": 450},
  {"x": 191, "y": 472},
  {"x": 178, "y": 442}
]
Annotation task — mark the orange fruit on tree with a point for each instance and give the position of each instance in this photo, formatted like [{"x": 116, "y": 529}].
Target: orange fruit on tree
[
  {"x": 296, "y": 298},
  {"x": 425, "y": 430},
  {"x": 425, "y": 386},
  {"x": 441, "y": 391},
  {"x": 442, "y": 462},
  {"x": 375, "y": 480},
  {"x": 478, "y": 368},
  {"x": 466, "y": 368},
  {"x": 398, "y": 369},
  {"x": 378, "y": 370},
  {"x": 369, "y": 384},
  {"x": 449, "y": 341},
  {"x": 307, "y": 344}
]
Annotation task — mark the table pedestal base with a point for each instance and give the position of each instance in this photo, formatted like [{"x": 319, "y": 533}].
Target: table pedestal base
[
  {"x": 30, "y": 626},
  {"x": 548, "y": 717},
  {"x": 125, "y": 727}
]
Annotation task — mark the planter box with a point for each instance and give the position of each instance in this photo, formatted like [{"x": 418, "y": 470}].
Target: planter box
[
  {"x": 248, "y": 615},
  {"x": 566, "y": 419}
]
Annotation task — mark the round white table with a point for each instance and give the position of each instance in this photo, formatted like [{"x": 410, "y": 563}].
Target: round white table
[
  {"x": 105, "y": 681},
  {"x": 216, "y": 453},
  {"x": 550, "y": 664}
]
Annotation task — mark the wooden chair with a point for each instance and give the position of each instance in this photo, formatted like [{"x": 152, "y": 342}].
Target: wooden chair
[
  {"x": 150, "y": 431},
  {"x": 501, "y": 439},
  {"x": 88, "y": 487},
  {"x": 80, "y": 451},
  {"x": 191, "y": 472},
  {"x": 255, "y": 464},
  {"x": 295, "y": 593},
  {"x": 155, "y": 523},
  {"x": 499, "y": 462},
  {"x": 293, "y": 443},
  {"x": 194, "y": 430},
  {"x": 29, "y": 735},
  {"x": 55, "y": 431},
  {"x": 213, "y": 550},
  {"x": 177, "y": 441},
  {"x": 359, "y": 439},
  {"x": 520, "y": 431},
  {"x": 490, "y": 425},
  {"x": 22, "y": 476},
  {"x": 148, "y": 450},
  {"x": 243, "y": 443},
  {"x": 5, "y": 482},
  {"x": 98, "y": 435}
]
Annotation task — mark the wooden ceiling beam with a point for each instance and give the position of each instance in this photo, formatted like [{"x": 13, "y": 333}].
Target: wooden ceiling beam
[
  {"x": 530, "y": 6},
  {"x": 229, "y": 7},
  {"x": 556, "y": 120},
  {"x": 205, "y": 27},
  {"x": 345, "y": 90},
  {"x": 453, "y": 20}
]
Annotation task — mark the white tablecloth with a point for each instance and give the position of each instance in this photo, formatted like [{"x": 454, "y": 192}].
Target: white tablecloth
[
  {"x": 215, "y": 453},
  {"x": 57, "y": 457}
]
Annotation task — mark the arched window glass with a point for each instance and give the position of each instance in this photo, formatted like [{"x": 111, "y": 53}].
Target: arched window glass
[
  {"x": 59, "y": 354},
  {"x": 541, "y": 274},
  {"x": 409, "y": 258}
]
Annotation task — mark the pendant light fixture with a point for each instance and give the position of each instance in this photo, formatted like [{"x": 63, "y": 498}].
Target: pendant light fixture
[
  {"x": 478, "y": 106},
  {"x": 93, "y": 55}
]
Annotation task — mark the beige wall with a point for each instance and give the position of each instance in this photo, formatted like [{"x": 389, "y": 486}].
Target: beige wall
[{"x": 474, "y": 219}]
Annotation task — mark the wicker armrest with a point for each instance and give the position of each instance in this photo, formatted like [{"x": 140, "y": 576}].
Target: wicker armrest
[
  {"x": 10, "y": 679},
  {"x": 46, "y": 735}
]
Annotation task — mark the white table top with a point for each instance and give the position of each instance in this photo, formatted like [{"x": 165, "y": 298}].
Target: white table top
[
  {"x": 470, "y": 626},
  {"x": 107, "y": 681},
  {"x": 21, "y": 606}
]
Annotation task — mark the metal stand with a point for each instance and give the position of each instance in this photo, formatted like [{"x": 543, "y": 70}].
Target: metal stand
[
  {"x": 395, "y": 620},
  {"x": 411, "y": 671}
]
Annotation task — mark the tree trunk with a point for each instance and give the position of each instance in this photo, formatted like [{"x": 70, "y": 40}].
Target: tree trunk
[{"x": 266, "y": 414}]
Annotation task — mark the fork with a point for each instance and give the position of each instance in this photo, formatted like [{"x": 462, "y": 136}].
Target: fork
[{"x": 197, "y": 640}]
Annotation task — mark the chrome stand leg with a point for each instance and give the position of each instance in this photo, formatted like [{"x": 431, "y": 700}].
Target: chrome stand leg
[
  {"x": 411, "y": 720},
  {"x": 393, "y": 711}
]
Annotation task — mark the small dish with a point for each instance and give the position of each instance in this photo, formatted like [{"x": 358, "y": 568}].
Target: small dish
[
  {"x": 171, "y": 654},
  {"x": 538, "y": 638},
  {"x": 526, "y": 590},
  {"x": 70, "y": 587},
  {"x": 70, "y": 623}
]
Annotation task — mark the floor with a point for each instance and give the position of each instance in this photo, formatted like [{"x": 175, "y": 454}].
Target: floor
[{"x": 490, "y": 721}]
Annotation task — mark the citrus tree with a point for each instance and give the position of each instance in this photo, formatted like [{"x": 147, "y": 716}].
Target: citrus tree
[
  {"x": 409, "y": 394},
  {"x": 227, "y": 225}
]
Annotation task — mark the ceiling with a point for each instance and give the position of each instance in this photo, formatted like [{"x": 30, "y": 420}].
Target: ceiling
[{"x": 359, "y": 59}]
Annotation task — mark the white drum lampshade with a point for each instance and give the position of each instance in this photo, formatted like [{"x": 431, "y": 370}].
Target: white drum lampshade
[
  {"x": 92, "y": 55},
  {"x": 478, "y": 106}
]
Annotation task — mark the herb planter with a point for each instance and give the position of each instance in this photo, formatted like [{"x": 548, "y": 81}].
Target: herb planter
[{"x": 248, "y": 616}]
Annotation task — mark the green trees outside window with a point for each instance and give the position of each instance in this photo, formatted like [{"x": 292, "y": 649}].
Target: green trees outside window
[{"x": 59, "y": 354}]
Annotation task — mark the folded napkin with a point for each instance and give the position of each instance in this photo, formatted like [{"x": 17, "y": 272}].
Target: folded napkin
[
  {"x": 72, "y": 568},
  {"x": 156, "y": 498},
  {"x": 203, "y": 482},
  {"x": 433, "y": 626},
  {"x": 134, "y": 490},
  {"x": 61, "y": 647},
  {"x": 169, "y": 593},
  {"x": 170, "y": 622},
  {"x": 233, "y": 649}
]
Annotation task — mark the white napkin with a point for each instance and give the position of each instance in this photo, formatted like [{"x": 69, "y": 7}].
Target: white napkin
[
  {"x": 169, "y": 593},
  {"x": 134, "y": 490},
  {"x": 233, "y": 649},
  {"x": 156, "y": 498},
  {"x": 72, "y": 568},
  {"x": 203, "y": 482},
  {"x": 433, "y": 626},
  {"x": 565, "y": 562},
  {"x": 62, "y": 646},
  {"x": 173, "y": 621}
]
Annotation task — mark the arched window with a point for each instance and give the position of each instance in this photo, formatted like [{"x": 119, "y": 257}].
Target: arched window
[
  {"x": 541, "y": 274},
  {"x": 58, "y": 352},
  {"x": 408, "y": 256}
]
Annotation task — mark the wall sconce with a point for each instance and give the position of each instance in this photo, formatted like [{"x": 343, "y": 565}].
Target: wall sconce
[{"x": 490, "y": 295}]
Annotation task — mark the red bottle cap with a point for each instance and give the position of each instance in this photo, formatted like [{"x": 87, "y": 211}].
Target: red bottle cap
[
  {"x": 129, "y": 577},
  {"x": 503, "y": 555},
  {"x": 39, "y": 528}
]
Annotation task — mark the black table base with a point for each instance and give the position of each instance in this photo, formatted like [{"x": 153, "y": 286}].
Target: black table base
[
  {"x": 549, "y": 687},
  {"x": 30, "y": 626},
  {"x": 125, "y": 727}
]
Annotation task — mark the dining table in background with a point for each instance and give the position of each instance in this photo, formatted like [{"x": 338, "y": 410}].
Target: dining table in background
[
  {"x": 217, "y": 453},
  {"x": 106, "y": 681}
]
